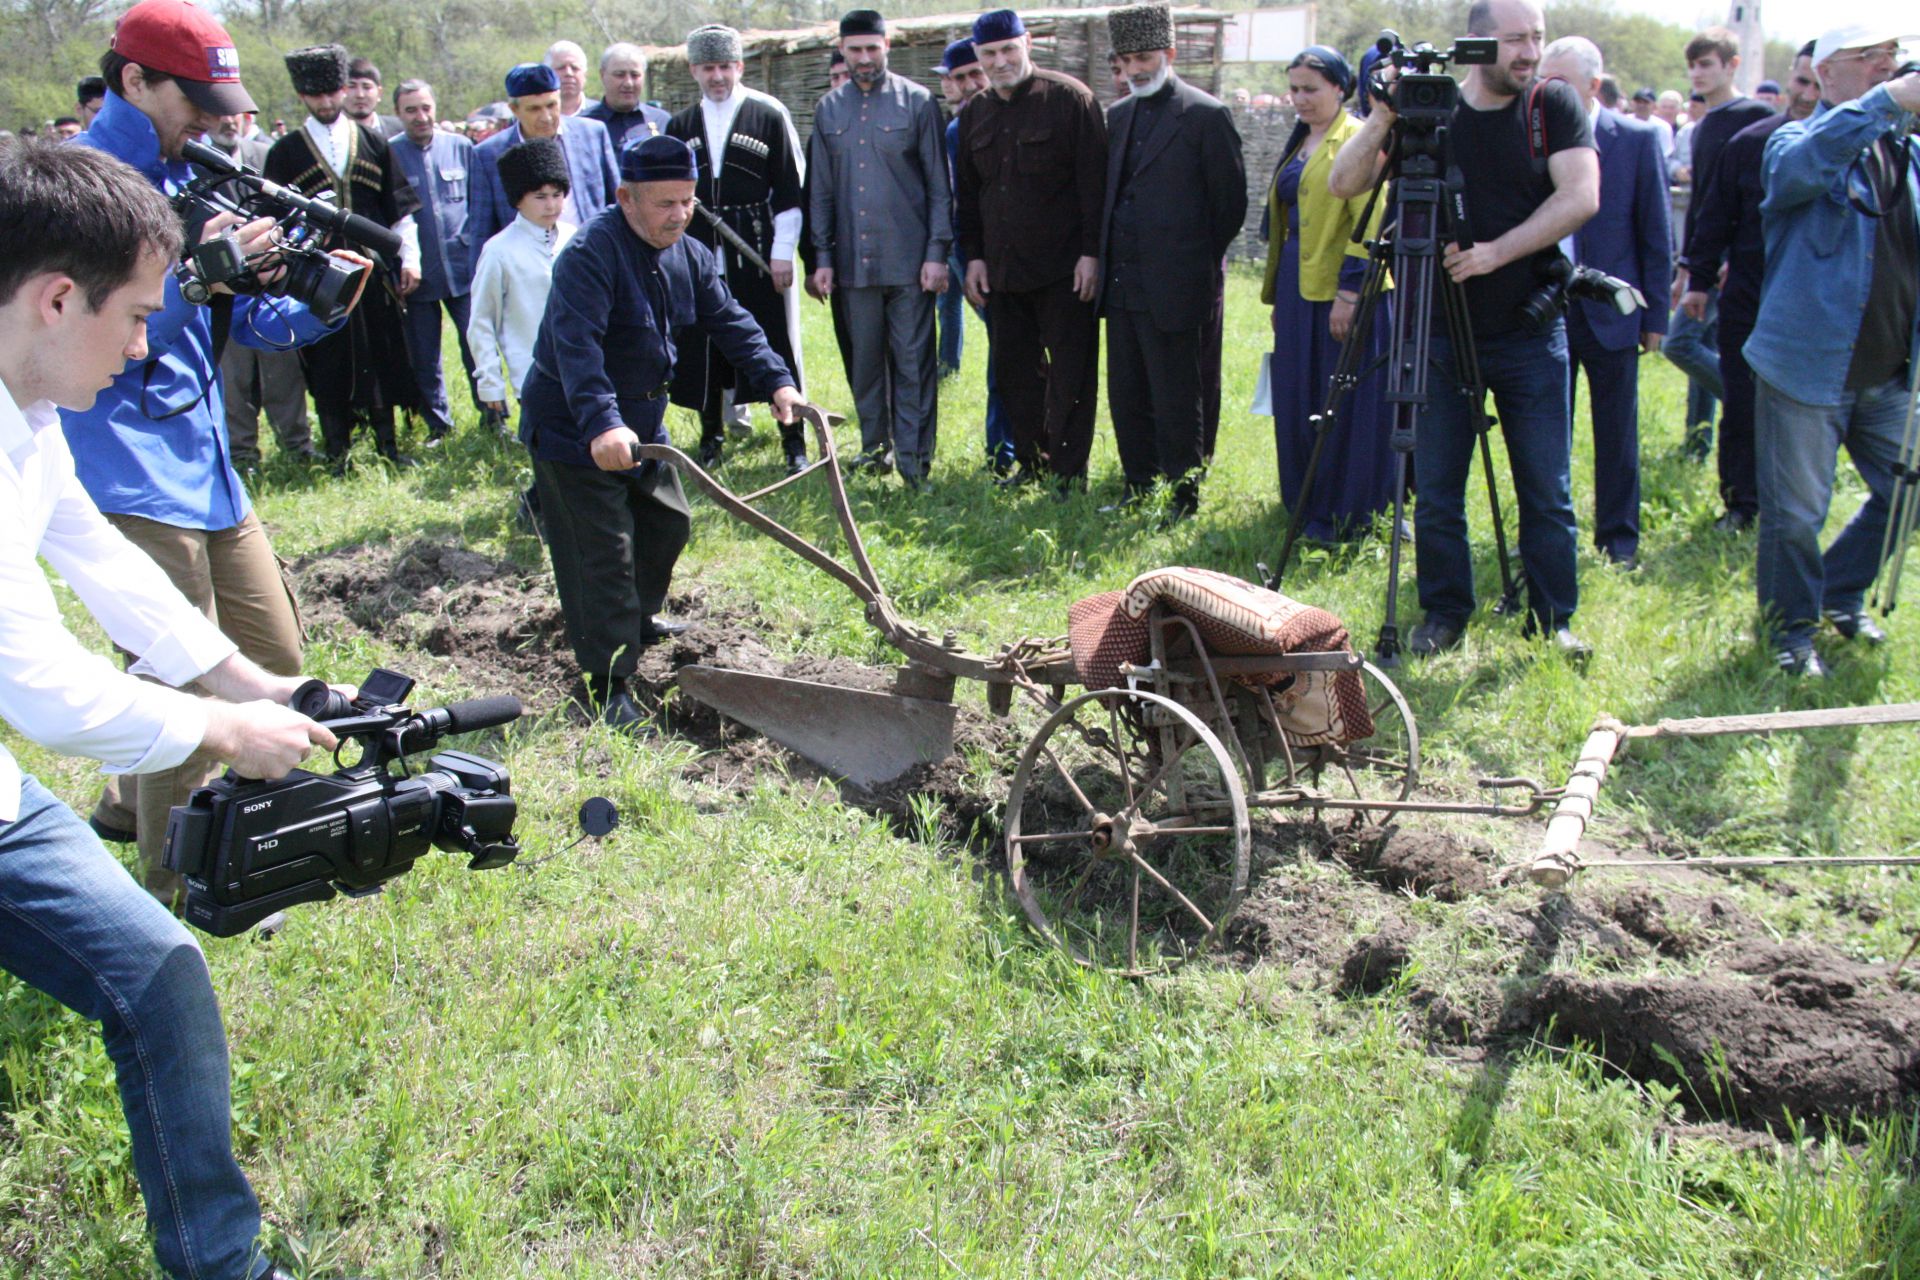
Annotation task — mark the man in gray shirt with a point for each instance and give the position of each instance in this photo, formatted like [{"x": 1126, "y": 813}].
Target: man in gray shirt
[{"x": 881, "y": 229}]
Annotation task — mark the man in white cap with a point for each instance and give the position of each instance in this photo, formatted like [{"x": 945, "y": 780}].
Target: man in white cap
[{"x": 1834, "y": 347}]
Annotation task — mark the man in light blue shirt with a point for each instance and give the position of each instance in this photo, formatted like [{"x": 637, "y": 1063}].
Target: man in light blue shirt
[{"x": 438, "y": 166}]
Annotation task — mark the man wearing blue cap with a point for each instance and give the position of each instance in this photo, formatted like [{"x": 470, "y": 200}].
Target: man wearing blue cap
[
  {"x": 533, "y": 95},
  {"x": 1031, "y": 183},
  {"x": 881, "y": 228},
  {"x": 628, "y": 288},
  {"x": 960, "y": 66}
]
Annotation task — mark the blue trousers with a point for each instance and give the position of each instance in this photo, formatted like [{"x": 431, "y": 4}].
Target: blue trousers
[
  {"x": 75, "y": 925},
  {"x": 1797, "y": 447},
  {"x": 1527, "y": 374},
  {"x": 1613, "y": 389},
  {"x": 951, "y": 311},
  {"x": 423, "y": 350},
  {"x": 1693, "y": 346},
  {"x": 999, "y": 430}
]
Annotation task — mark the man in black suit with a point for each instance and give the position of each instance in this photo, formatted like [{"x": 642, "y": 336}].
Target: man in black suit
[{"x": 1176, "y": 196}]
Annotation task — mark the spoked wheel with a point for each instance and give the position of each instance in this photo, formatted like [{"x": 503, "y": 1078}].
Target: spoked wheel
[
  {"x": 1127, "y": 836},
  {"x": 1384, "y": 765}
]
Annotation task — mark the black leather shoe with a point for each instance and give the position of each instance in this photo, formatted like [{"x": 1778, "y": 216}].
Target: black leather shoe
[
  {"x": 1800, "y": 662},
  {"x": 661, "y": 627},
  {"x": 711, "y": 454},
  {"x": 112, "y": 835},
  {"x": 1734, "y": 522},
  {"x": 1435, "y": 635},
  {"x": 796, "y": 462},
  {"x": 623, "y": 713},
  {"x": 1698, "y": 446},
  {"x": 1020, "y": 475},
  {"x": 1571, "y": 647},
  {"x": 1856, "y": 626},
  {"x": 878, "y": 460}
]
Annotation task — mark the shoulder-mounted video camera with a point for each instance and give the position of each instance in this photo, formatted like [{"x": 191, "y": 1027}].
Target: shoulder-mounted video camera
[
  {"x": 310, "y": 274},
  {"x": 248, "y": 848},
  {"x": 1423, "y": 93}
]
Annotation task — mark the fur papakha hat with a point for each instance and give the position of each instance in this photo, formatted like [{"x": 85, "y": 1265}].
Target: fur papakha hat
[
  {"x": 713, "y": 43},
  {"x": 1141, "y": 28},
  {"x": 318, "y": 69},
  {"x": 533, "y": 164}
]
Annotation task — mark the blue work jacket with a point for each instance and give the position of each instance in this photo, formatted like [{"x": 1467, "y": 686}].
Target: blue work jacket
[
  {"x": 603, "y": 359},
  {"x": 440, "y": 173},
  {"x": 154, "y": 444},
  {"x": 1819, "y": 248}
]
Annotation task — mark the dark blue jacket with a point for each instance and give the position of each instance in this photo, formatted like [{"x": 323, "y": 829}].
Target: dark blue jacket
[
  {"x": 154, "y": 444},
  {"x": 440, "y": 174},
  {"x": 1631, "y": 235},
  {"x": 648, "y": 120},
  {"x": 603, "y": 359},
  {"x": 592, "y": 168}
]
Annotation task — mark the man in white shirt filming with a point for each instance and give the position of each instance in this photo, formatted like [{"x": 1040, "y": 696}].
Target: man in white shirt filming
[{"x": 85, "y": 248}]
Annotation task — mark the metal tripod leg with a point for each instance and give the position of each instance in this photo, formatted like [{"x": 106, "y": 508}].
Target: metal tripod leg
[
  {"x": 1466, "y": 366},
  {"x": 1903, "y": 511}
]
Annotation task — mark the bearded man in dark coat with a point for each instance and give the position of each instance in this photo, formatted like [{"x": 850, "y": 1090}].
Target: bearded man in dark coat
[
  {"x": 362, "y": 372},
  {"x": 749, "y": 160}
]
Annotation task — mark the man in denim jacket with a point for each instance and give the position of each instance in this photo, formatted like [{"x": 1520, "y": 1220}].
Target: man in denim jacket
[{"x": 1833, "y": 348}]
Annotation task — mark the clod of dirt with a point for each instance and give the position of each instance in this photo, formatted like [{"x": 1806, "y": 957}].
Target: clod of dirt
[
  {"x": 1434, "y": 863},
  {"x": 1676, "y": 924},
  {"x": 1809, "y": 1035},
  {"x": 1374, "y": 962},
  {"x": 1441, "y": 1020}
]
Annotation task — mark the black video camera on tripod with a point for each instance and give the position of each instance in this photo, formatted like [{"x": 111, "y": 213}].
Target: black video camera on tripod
[
  {"x": 247, "y": 848},
  {"x": 308, "y": 273},
  {"x": 1428, "y": 202}
]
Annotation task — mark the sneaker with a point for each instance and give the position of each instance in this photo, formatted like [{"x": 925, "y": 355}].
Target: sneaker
[
  {"x": 1435, "y": 635},
  {"x": 1800, "y": 662},
  {"x": 1855, "y": 626},
  {"x": 796, "y": 462},
  {"x": 1575, "y": 650}
]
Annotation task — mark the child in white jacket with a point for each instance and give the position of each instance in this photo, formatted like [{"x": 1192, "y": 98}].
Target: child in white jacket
[{"x": 515, "y": 271}]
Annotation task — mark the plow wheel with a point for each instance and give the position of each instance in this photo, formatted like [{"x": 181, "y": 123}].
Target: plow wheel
[
  {"x": 1127, "y": 837},
  {"x": 1385, "y": 765}
]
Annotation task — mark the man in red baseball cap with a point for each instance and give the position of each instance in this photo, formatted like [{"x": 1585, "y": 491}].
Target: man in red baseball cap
[{"x": 175, "y": 54}]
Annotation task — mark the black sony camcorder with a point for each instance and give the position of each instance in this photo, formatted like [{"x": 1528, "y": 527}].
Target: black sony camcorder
[
  {"x": 1423, "y": 94},
  {"x": 248, "y": 848},
  {"x": 1561, "y": 282},
  {"x": 307, "y": 273}
]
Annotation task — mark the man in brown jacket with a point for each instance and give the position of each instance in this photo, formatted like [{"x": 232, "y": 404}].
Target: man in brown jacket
[{"x": 1030, "y": 183}]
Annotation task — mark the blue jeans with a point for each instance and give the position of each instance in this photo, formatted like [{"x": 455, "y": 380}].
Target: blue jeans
[
  {"x": 1694, "y": 348},
  {"x": 75, "y": 925},
  {"x": 951, "y": 312},
  {"x": 1797, "y": 447},
  {"x": 1527, "y": 374}
]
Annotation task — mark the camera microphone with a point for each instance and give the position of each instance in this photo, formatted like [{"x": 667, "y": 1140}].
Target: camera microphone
[
  {"x": 472, "y": 715},
  {"x": 351, "y": 225}
]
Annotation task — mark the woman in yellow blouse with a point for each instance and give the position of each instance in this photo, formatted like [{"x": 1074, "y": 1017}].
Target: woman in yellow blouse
[{"x": 1314, "y": 274}]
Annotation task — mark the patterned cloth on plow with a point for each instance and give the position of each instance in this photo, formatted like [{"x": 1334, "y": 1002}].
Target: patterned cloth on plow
[{"x": 1236, "y": 619}]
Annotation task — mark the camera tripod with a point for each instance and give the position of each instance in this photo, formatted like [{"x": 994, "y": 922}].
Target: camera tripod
[
  {"x": 1903, "y": 511},
  {"x": 1428, "y": 213}
]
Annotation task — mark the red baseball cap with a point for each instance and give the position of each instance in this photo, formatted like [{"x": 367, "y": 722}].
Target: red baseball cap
[{"x": 184, "y": 41}]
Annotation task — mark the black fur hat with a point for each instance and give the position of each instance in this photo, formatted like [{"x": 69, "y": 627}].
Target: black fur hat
[
  {"x": 318, "y": 69},
  {"x": 529, "y": 166}
]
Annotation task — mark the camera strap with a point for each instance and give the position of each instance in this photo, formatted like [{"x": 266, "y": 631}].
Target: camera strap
[
  {"x": 1536, "y": 125},
  {"x": 222, "y": 308}
]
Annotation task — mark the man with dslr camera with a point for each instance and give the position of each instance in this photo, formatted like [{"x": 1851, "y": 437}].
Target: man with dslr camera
[
  {"x": 153, "y": 451},
  {"x": 1523, "y": 197},
  {"x": 85, "y": 250},
  {"x": 1833, "y": 347}
]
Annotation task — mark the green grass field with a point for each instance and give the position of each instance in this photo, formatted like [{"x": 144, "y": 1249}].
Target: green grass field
[{"x": 768, "y": 1034}]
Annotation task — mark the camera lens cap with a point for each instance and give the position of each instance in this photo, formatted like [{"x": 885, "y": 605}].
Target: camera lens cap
[{"x": 598, "y": 816}]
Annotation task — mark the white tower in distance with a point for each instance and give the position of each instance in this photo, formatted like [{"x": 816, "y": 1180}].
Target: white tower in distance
[{"x": 1743, "y": 19}]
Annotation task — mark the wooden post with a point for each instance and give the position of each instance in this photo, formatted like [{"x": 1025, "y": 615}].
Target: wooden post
[{"x": 1553, "y": 866}]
